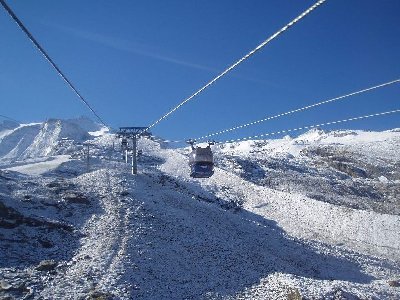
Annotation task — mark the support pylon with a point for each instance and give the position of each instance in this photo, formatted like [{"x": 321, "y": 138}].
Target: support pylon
[{"x": 133, "y": 133}]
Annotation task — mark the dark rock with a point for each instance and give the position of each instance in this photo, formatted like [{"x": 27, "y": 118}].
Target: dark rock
[
  {"x": 340, "y": 294},
  {"x": 59, "y": 187},
  {"x": 46, "y": 265},
  {"x": 394, "y": 283},
  {"x": 53, "y": 184},
  {"x": 350, "y": 170},
  {"x": 76, "y": 198},
  {"x": 20, "y": 291},
  {"x": 46, "y": 244},
  {"x": 294, "y": 294},
  {"x": 9, "y": 217},
  {"x": 98, "y": 295}
]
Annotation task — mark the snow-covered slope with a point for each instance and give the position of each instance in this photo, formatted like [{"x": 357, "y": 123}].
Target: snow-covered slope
[
  {"x": 43, "y": 139},
  {"x": 355, "y": 169},
  {"x": 315, "y": 216},
  {"x": 14, "y": 142},
  {"x": 86, "y": 124}
]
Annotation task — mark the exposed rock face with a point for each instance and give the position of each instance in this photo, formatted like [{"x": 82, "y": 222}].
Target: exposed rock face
[
  {"x": 75, "y": 197},
  {"x": 99, "y": 295},
  {"x": 46, "y": 265},
  {"x": 394, "y": 283},
  {"x": 10, "y": 218},
  {"x": 342, "y": 174}
]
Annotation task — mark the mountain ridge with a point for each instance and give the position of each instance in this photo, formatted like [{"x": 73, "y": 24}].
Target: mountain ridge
[{"x": 314, "y": 216}]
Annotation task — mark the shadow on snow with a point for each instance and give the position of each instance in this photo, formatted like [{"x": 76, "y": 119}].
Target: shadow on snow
[{"x": 187, "y": 248}]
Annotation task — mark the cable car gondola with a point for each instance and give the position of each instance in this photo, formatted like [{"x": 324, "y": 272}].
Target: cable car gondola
[
  {"x": 201, "y": 161},
  {"x": 124, "y": 144}
]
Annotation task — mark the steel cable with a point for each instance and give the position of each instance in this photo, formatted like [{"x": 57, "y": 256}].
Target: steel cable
[
  {"x": 230, "y": 68},
  {"x": 40, "y": 48},
  {"x": 312, "y": 126},
  {"x": 297, "y": 110}
]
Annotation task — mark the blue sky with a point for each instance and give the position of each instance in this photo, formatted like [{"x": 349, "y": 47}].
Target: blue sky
[{"x": 135, "y": 60}]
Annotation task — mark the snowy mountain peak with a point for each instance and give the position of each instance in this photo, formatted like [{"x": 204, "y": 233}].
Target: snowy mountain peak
[
  {"x": 313, "y": 135},
  {"x": 86, "y": 123},
  {"x": 41, "y": 139}
]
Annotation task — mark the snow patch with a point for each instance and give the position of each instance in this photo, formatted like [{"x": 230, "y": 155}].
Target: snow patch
[
  {"x": 100, "y": 132},
  {"x": 42, "y": 167}
]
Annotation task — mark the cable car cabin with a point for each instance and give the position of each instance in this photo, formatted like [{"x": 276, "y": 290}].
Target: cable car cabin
[
  {"x": 124, "y": 144},
  {"x": 201, "y": 162}
]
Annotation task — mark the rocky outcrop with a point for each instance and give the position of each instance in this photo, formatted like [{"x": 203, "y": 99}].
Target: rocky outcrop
[{"x": 11, "y": 218}]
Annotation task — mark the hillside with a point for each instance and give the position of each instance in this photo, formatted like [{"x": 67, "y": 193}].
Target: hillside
[
  {"x": 349, "y": 168},
  {"x": 314, "y": 216}
]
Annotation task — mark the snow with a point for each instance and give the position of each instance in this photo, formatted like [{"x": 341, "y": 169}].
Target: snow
[
  {"x": 39, "y": 168},
  {"x": 5, "y": 132},
  {"x": 86, "y": 124},
  {"x": 383, "y": 179},
  {"x": 100, "y": 132},
  {"x": 369, "y": 232},
  {"x": 163, "y": 235},
  {"x": 38, "y": 139}
]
